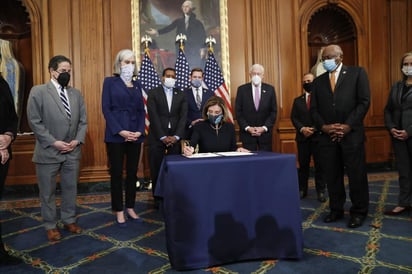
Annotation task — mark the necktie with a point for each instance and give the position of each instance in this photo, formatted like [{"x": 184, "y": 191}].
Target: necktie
[
  {"x": 308, "y": 101},
  {"x": 198, "y": 99},
  {"x": 257, "y": 98},
  {"x": 65, "y": 102},
  {"x": 332, "y": 80}
]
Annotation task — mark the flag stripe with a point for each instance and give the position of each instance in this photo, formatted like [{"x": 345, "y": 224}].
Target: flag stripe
[
  {"x": 149, "y": 79},
  {"x": 215, "y": 81}
]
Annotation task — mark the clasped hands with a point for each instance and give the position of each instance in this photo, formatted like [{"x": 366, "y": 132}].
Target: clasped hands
[
  {"x": 401, "y": 135},
  {"x": 169, "y": 141},
  {"x": 130, "y": 136},
  {"x": 307, "y": 131},
  {"x": 256, "y": 131},
  {"x": 336, "y": 131},
  {"x": 65, "y": 147}
]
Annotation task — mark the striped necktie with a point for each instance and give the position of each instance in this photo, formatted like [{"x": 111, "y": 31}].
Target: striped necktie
[
  {"x": 198, "y": 100},
  {"x": 65, "y": 102}
]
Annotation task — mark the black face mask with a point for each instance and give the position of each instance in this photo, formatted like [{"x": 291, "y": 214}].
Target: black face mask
[
  {"x": 307, "y": 87},
  {"x": 63, "y": 79}
]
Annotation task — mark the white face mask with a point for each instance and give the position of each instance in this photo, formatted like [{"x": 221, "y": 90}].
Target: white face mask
[
  {"x": 126, "y": 72},
  {"x": 169, "y": 82},
  {"x": 256, "y": 80},
  {"x": 407, "y": 70}
]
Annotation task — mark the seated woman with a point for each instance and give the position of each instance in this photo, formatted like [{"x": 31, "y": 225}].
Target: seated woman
[{"x": 214, "y": 133}]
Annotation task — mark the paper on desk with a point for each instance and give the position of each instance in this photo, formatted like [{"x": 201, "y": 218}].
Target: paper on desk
[
  {"x": 202, "y": 155},
  {"x": 235, "y": 153}
]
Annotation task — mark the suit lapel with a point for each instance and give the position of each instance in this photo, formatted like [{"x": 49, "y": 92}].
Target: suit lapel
[
  {"x": 51, "y": 89},
  {"x": 342, "y": 76}
]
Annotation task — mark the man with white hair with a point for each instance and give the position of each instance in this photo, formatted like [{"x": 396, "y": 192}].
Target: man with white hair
[{"x": 256, "y": 110}]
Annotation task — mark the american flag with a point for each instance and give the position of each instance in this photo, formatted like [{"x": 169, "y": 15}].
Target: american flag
[
  {"x": 182, "y": 71},
  {"x": 214, "y": 80},
  {"x": 149, "y": 79}
]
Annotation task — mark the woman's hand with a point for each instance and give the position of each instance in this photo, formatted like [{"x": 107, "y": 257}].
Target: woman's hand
[
  {"x": 188, "y": 150},
  {"x": 241, "y": 149}
]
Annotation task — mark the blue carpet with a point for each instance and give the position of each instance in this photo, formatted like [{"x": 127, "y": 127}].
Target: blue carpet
[{"x": 381, "y": 245}]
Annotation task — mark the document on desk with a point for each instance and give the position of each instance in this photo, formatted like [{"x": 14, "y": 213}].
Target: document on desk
[
  {"x": 203, "y": 155},
  {"x": 235, "y": 153}
]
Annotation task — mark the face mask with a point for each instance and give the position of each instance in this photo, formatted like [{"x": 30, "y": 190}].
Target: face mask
[
  {"x": 126, "y": 72},
  {"x": 407, "y": 70},
  {"x": 307, "y": 87},
  {"x": 215, "y": 119},
  {"x": 63, "y": 79},
  {"x": 329, "y": 65},
  {"x": 169, "y": 82},
  {"x": 196, "y": 83},
  {"x": 256, "y": 80}
]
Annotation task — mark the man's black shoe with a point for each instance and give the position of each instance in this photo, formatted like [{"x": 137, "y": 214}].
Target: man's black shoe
[
  {"x": 321, "y": 197},
  {"x": 333, "y": 217},
  {"x": 355, "y": 221}
]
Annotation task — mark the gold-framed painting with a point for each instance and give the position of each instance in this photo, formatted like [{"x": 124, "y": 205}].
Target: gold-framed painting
[{"x": 162, "y": 20}]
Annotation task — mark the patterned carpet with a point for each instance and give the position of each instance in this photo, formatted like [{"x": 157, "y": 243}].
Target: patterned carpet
[{"x": 381, "y": 245}]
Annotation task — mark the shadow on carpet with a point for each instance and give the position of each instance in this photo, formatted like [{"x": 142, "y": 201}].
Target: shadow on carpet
[{"x": 381, "y": 245}]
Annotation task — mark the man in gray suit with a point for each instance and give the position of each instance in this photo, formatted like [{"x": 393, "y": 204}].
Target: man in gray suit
[{"x": 57, "y": 116}]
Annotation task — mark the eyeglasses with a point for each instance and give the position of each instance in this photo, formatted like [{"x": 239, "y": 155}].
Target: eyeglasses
[{"x": 326, "y": 57}]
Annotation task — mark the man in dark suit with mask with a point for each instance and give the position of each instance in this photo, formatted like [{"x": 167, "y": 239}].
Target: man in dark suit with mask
[
  {"x": 8, "y": 131},
  {"x": 256, "y": 110},
  {"x": 167, "y": 108},
  {"x": 340, "y": 101},
  {"x": 306, "y": 140},
  {"x": 196, "y": 95}
]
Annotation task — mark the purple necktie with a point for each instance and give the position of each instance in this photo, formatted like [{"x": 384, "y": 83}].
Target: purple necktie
[{"x": 257, "y": 97}]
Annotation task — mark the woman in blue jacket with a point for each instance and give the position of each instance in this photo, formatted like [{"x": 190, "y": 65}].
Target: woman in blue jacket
[{"x": 123, "y": 109}]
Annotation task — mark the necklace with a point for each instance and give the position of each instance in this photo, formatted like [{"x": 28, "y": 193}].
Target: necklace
[{"x": 216, "y": 128}]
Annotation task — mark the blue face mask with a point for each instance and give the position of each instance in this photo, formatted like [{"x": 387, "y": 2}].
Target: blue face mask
[
  {"x": 215, "y": 119},
  {"x": 329, "y": 65},
  {"x": 196, "y": 83}
]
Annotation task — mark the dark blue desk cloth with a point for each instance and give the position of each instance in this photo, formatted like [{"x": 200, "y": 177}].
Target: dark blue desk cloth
[{"x": 227, "y": 209}]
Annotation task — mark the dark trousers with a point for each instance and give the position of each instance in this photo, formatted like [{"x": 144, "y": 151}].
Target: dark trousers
[
  {"x": 3, "y": 174},
  {"x": 306, "y": 149},
  {"x": 334, "y": 159},
  {"x": 117, "y": 153},
  {"x": 157, "y": 151},
  {"x": 403, "y": 155}
]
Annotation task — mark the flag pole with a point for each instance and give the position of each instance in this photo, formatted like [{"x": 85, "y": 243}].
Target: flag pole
[
  {"x": 210, "y": 41},
  {"x": 146, "y": 40}
]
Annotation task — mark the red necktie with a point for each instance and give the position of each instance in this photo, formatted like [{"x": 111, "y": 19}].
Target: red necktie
[
  {"x": 308, "y": 102},
  {"x": 332, "y": 80}
]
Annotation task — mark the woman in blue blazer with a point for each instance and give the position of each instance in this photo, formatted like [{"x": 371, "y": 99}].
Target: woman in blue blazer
[{"x": 123, "y": 109}]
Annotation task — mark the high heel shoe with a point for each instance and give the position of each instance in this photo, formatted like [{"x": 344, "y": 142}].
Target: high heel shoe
[
  {"x": 120, "y": 224},
  {"x": 395, "y": 213},
  {"x": 136, "y": 220}
]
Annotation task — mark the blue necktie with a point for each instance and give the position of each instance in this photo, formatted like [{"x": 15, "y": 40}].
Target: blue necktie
[{"x": 65, "y": 102}]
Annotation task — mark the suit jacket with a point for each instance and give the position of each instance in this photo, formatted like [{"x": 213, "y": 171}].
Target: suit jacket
[
  {"x": 8, "y": 116},
  {"x": 123, "y": 109},
  {"x": 193, "y": 113},
  {"x": 160, "y": 116},
  {"x": 247, "y": 115},
  {"x": 398, "y": 109},
  {"x": 348, "y": 104},
  {"x": 300, "y": 116},
  {"x": 209, "y": 141},
  {"x": 49, "y": 122}
]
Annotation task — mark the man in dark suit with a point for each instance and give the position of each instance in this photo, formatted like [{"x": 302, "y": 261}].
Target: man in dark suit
[
  {"x": 256, "y": 110},
  {"x": 167, "y": 108},
  {"x": 306, "y": 140},
  {"x": 57, "y": 115},
  {"x": 196, "y": 95},
  {"x": 8, "y": 131},
  {"x": 340, "y": 101}
]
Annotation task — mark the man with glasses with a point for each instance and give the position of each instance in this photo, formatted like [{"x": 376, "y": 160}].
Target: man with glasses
[
  {"x": 56, "y": 113},
  {"x": 339, "y": 102}
]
